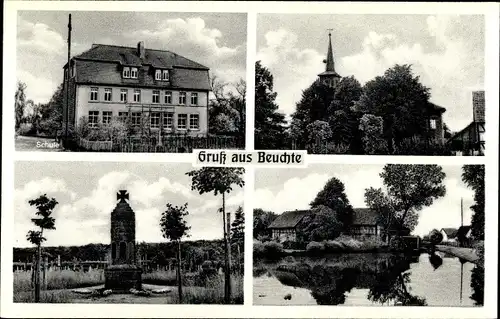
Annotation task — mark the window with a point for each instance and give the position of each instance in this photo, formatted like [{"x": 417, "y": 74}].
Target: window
[
  {"x": 194, "y": 98},
  {"x": 168, "y": 120},
  {"x": 158, "y": 75},
  {"x": 123, "y": 250},
  {"x": 133, "y": 73},
  {"x": 94, "y": 93},
  {"x": 194, "y": 121},
  {"x": 126, "y": 72},
  {"x": 137, "y": 96},
  {"x": 123, "y": 95},
  {"x": 113, "y": 251},
  {"x": 168, "y": 97},
  {"x": 73, "y": 70},
  {"x": 156, "y": 96},
  {"x": 155, "y": 120},
  {"x": 433, "y": 124},
  {"x": 122, "y": 116},
  {"x": 182, "y": 121},
  {"x": 106, "y": 117},
  {"x": 182, "y": 98},
  {"x": 93, "y": 118},
  {"x": 107, "y": 95},
  {"x": 136, "y": 119},
  {"x": 165, "y": 75}
]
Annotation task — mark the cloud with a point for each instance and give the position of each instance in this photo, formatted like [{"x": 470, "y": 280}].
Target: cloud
[
  {"x": 38, "y": 88},
  {"x": 448, "y": 59},
  {"x": 84, "y": 218},
  {"x": 293, "y": 69},
  {"x": 36, "y": 38},
  {"x": 193, "y": 39}
]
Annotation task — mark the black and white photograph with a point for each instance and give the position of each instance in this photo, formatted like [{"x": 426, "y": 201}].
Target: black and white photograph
[
  {"x": 399, "y": 84},
  {"x": 369, "y": 235},
  {"x": 151, "y": 233},
  {"x": 130, "y": 81}
]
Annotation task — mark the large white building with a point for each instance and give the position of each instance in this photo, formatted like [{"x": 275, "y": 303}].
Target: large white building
[{"x": 153, "y": 90}]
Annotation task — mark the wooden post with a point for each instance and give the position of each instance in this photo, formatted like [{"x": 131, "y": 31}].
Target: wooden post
[
  {"x": 179, "y": 277},
  {"x": 37, "y": 276},
  {"x": 228, "y": 245},
  {"x": 45, "y": 265}
]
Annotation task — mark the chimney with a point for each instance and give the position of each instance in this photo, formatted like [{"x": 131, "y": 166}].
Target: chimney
[{"x": 141, "y": 51}]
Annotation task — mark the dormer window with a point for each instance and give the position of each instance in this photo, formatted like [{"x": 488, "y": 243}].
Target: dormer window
[
  {"x": 165, "y": 76},
  {"x": 433, "y": 124},
  {"x": 158, "y": 75},
  {"x": 126, "y": 72},
  {"x": 133, "y": 73}
]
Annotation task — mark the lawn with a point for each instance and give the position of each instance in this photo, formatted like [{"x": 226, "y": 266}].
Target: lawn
[{"x": 34, "y": 143}]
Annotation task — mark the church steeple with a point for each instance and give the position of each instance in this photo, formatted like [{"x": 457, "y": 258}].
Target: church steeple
[
  {"x": 329, "y": 77},
  {"x": 330, "y": 64}
]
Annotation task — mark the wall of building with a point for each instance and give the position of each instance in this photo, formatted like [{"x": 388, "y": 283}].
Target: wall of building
[{"x": 84, "y": 105}]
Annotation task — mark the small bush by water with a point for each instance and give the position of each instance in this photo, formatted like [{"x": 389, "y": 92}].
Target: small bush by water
[{"x": 270, "y": 249}]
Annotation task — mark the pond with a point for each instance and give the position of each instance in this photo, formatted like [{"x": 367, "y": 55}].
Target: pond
[{"x": 368, "y": 280}]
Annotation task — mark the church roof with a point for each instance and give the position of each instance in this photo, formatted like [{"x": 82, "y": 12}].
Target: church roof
[
  {"x": 123, "y": 211},
  {"x": 364, "y": 216},
  {"x": 330, "y": 62}
]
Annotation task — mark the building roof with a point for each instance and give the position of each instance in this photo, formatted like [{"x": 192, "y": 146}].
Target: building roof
[
  {"x": 130, "y": 56},
  {"x": 364, "y": 216},
  {"x": 290, "y": 219},
  {"x": 330, "y": 62},
  {"x": 103, "y": 64},
  {"x": 450, "y": 232},
  {"x": 437, "y": 108}
]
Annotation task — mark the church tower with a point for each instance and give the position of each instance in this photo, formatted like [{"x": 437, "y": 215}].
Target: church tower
[{"x": 329, "y": 77}]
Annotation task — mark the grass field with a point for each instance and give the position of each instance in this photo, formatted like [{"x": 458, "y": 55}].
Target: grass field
[{"x": 60, "y": 283}]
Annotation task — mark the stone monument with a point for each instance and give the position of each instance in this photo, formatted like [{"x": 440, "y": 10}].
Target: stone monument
[{"x": 122, "y": 273}]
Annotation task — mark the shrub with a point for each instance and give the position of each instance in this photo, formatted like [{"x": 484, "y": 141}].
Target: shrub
[
  {"x": 349, "y": 243},
  {"x": 26, "y": 129},
  {"x": 270, "y": 249},
  {"x": 332, "y": 246},
  {"x": 422, "y": 146},
  {"x": 315, "y": 248}
]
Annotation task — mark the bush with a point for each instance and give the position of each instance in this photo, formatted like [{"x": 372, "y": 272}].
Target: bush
[
  {"x": 422, "y": 146},
  {"x": 332, "y": 246},
  {"x": 315, "y": 248},
  {"x": 270, "y": 249},
  {"x": 372, "y": 128},
  {"x": 290, "y": 244},
  {"x": 26, "y": 129}
]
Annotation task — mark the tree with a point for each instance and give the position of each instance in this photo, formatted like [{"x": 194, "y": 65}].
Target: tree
[
  {"x": 261, "y": 221},
  {"x": 44, "y": 221},
  {"x": 19, "y": 103},
  {"x": 174, "y": 227},
  {"x": 322, "y": 224},
  {"x": 372, "y": 127},
  {"x": 409, "y": 188},
  {"x": 219, "y": 180},
  {"x": 238, "y": 228},
  {"x": 333, "y": 196},
  {"x": 473, "y": 177},
  {"x": 227, "y": 109},
  {"x": 269, "y": 123},
  {"x": 401, "y": 100}
]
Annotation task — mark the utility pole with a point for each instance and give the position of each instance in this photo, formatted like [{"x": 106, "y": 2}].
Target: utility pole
[
  {"x": 461, "y": 211},
  {"x": 67, "y": 79}
]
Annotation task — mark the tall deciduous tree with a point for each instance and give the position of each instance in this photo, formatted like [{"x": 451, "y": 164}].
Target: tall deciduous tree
[
  {"x": 473, "y": 177},
  {"x": 269, "y": 122},
  {"x": 334, "y": 197},
  {"x": 220, "y": 181},
  {"x": 409, "y": 188},
  {"x": 44, "y": 221},
  {"x": 19, "y": 103},
  {"x": 400, "y": 99},
  {"x": 174, "y": 227}
]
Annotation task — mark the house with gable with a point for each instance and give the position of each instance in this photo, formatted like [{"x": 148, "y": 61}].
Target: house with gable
[
  {"x": 449, "y": 234},
  {"x": 155, "y": 90}
]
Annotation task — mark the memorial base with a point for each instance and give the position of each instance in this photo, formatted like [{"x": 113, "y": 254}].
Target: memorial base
[{"x": 122, "y": 278}]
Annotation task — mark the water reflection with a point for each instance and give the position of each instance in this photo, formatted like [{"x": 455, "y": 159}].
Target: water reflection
[{"x": 383, "y": 279}]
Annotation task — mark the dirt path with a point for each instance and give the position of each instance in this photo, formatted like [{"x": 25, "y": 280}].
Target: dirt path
[{"x": 465, "y": 253}]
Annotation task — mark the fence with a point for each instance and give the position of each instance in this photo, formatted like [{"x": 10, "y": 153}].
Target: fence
[{"x": 165, "y": 144}]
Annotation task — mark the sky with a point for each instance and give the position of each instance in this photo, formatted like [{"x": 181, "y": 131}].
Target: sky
[
  {"x": 280, "y": 190},
  {"x": 216, "y": 40},
  {"x": 86, "y": 192},
  {"x": 447, "y": 53}
]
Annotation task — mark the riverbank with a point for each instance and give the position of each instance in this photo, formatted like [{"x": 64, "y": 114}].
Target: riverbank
[{"x": 468, "y": 254}]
